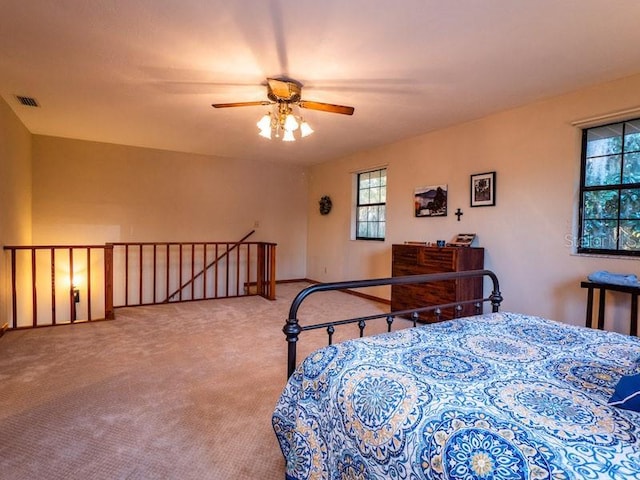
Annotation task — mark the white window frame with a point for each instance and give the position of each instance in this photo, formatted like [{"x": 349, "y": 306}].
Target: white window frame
[{"x": 370, "y": 204}]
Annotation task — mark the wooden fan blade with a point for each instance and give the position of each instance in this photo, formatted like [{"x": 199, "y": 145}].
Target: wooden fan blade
[
  {"x": 326, "y": 107},
  {"x": 240, "y": 104}
]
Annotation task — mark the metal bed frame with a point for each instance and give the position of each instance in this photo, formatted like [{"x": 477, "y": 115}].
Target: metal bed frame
[{"x": 293, "y": 329}]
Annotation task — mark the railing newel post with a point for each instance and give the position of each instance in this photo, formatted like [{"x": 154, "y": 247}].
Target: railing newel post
[
  {"x": 272, "y": 272},
  {"x": 14, "y": 290},
  {"x": 34, "y": 290},
  {"x": 109, "y": 313}
]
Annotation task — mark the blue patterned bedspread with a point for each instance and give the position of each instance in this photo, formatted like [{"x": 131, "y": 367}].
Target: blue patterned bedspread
[{"x": 499, "y": 396}]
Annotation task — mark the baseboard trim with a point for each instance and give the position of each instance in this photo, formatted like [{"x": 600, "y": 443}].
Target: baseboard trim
[
  {"x": 350, "y": 292},
  {"x": 293, "y": 280},
  {"x": 354, "y": 292}
]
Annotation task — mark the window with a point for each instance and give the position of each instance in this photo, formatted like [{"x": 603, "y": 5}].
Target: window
[
  {"x": 610, "y": 189},
  {"x": 371, "y": 205}
]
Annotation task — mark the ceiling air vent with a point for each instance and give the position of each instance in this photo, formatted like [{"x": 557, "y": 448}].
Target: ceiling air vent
[{"x": 27, "y": 101}]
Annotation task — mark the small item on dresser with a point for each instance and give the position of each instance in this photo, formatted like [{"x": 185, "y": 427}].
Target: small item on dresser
[
  {"x": 440, "y": 243},
  {"x": 602, "y": 276},
  {"x": 463, "y": 240}
]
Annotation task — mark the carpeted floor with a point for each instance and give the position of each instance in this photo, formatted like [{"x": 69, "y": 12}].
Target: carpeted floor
[{"x": 180, "y": 391}]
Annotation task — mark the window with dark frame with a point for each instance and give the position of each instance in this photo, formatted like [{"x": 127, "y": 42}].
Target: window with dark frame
[
  {"x": 609, "y": 215},
  {"x": 371, "y": 205}
]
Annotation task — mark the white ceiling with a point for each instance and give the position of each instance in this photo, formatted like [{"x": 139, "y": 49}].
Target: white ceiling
[{"x": 145, "y": 72}]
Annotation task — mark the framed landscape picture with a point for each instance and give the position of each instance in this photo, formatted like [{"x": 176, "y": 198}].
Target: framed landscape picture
[
  {"x": 483, "y": 189},
  {"x": 430, "y": 201}
]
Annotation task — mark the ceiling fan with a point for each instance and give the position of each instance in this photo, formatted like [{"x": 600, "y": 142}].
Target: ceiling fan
[
  {"x": 283, "y": 90},
  {"x": 285, "y": 93}
]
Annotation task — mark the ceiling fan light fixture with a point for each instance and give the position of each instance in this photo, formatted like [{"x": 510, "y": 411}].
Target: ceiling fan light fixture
[
  {"x": 288, "y": 136},
  {"x": 281, "y": 123},
  {"x": 265, "y": 132},
  {"x": 305, "y": 129},
  {"x": 265, "y": 122},
  {"x": 290, "y": 122}
]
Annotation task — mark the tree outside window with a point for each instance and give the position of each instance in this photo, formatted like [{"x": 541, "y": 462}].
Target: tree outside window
[
  {"x": 610, "y": 189},
  {"x": 371, "y": 205}
]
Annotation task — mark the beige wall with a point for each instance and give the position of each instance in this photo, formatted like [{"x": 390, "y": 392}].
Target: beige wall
[
  {"x": 87, "y": 192},
  {"x": 15, "y": 193},
  {"x": 535, "y": 151}
]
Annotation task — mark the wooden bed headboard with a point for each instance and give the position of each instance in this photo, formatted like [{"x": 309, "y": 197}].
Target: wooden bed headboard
[{"x": 293, "y": 329}]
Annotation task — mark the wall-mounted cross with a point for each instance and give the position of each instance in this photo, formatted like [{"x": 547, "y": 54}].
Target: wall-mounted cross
[{"x": 458, "y": 214}]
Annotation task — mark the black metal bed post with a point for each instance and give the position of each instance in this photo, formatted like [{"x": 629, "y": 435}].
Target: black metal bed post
[
  {"x": 495, "y": 297},
  {"x": 292, "y": 329}
]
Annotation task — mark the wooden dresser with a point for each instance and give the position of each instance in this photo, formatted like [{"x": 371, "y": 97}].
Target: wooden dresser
[{"x": 417, "y": 259}]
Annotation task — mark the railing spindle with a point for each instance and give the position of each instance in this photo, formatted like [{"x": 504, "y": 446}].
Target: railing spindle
[
  {"x": 167, "y": 267},
  {"x": 89, "y": 284},
  {"x": 227, "y": 269},
  {"x": 53, "y": 285},
  {"x": 260, "y": 270},
  {"x": 237, "y": 290},
  {"x": 14, "y": 291},
  {"x": 34, "y": 294},
  {"x": 193, "y": 269},
  {"x": 272, "y": 272},
  {"x": 216, "y": 275},
  {"x": 155, "y": 271},
  {"x": 72, "y": 300},
  {"x": 248, "y": 272},
  {"x": 140, "y": 298},
  {"x": 180, "y": 271},
  {"x": 204, "y": 262},
  {"x": 126, "y": 275},
  {"x": 109, "y": 312}
]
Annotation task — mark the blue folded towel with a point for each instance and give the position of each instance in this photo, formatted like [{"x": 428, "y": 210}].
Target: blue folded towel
[{"x": 602, "y": 276}]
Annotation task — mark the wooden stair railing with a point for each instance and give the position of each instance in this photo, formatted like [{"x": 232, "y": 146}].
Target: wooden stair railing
[
  {"x": 43, "y": 288},
  {"x": 154, "y": 273},
  {"x": 45, "y": 282},
  {"x": 204, "y": 270}
]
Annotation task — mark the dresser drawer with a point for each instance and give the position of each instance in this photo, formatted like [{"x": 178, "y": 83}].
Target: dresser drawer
[{"x": 418, "y": 259}]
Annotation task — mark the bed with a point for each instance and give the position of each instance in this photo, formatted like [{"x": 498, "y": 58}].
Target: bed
[{"x": 496, "y": 395}]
